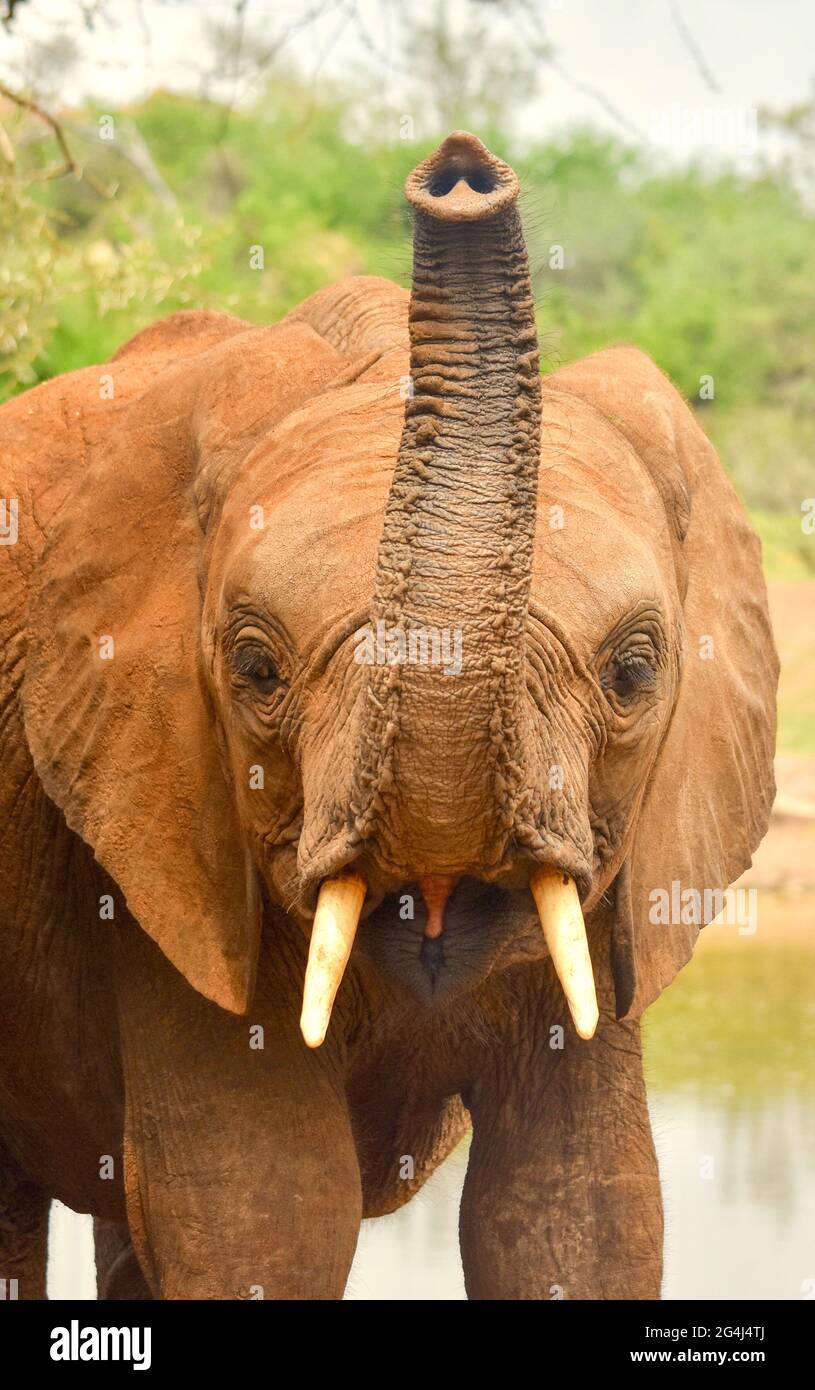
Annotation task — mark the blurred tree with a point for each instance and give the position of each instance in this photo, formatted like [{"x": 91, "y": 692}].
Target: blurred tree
[
  {"x": 797, "y": 124},
  {"x": 710, "y": 272},
  {"x": 47, "y": 196}
]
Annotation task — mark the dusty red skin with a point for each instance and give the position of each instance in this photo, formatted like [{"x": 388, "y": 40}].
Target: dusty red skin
[{"x": 132, "y": 780}]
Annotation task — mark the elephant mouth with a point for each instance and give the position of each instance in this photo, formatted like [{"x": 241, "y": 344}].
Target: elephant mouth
[
  {"x": 441, "y": 936},
  {"x": 436, "y": 955}
]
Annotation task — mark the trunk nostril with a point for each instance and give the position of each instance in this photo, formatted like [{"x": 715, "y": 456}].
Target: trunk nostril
[
  {"x": 462, "y": 182},
  {"x": 444, "y": 181}
]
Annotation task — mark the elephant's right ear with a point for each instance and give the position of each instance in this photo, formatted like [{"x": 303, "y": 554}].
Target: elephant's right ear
[
  {"x": 116, "y": 711},
  {"x": 708, "y": 798}
]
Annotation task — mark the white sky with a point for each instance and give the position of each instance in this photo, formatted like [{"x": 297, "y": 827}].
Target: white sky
[{"x": 759, "y": 52}]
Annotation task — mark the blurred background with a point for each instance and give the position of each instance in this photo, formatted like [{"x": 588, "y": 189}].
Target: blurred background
[{"x": 238, "y": 155}]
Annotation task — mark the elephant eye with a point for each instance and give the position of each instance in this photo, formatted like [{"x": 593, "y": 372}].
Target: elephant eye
[
  {"x": 629, "y": 674},
  {"x": 255, "y": 666},
  {"x": 265, "y": 676}
]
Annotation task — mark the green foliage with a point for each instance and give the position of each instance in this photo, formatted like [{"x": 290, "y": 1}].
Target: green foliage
[
  {"x": 85, "y": 261},
  {"x": 708, "y": 274},
  {"x": 788, "y": 553},
  {"x": 28, "y": 253}
]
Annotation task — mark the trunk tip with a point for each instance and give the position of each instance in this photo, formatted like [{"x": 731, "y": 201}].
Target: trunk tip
[{"x": 462, "y": 181}]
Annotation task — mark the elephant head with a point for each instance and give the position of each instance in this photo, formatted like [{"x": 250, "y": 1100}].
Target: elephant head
[{"x": 398, "y": 630}]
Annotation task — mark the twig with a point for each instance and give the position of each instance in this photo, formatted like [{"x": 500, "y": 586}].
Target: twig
[
  {"x": 543, "y": 49},
  {"x": 6, "y": 147},
  {"x": 69, "y": 165},
  {"x": 694, "y": 50},
  {"x": 597, "y": 95},
  {"x": 11, "y": 6}
]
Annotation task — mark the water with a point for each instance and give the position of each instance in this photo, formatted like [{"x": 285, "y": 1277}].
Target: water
[
  {"x": 730, "y": 1062},
  {"x": 739, "y": 1212}
]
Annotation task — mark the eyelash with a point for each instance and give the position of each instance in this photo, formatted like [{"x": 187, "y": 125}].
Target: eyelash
[
  {"x": 634, "y": 672},
  {"x": 249, "y": 660}
]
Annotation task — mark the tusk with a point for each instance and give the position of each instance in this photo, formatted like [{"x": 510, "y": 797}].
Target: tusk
[
  {"x": 332, "y": 936},
  {"x": 561, "y": 916}
]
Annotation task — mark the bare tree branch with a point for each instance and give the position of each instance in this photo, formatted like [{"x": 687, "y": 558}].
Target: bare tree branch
[
  {"x": 131, "y": 146},
  {"x": 542, "y": 47},
  {"x": 596, "y": 95},
  {"x": 6, "y": 147},
  {"x": 694, "y": 50},
  {"x": 69, "y": 164},
  {"x": 11, "y": 6}
]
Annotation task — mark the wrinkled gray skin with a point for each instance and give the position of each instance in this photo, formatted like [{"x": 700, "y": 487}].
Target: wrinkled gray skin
[{"x": 612, "y": 718}]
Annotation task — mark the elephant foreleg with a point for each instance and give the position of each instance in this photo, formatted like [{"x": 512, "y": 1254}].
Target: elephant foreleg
[
  {"x": 562, "y": 1196},
  {"x": 240, "y": 1169},
  {"x": 23, "y": 1233}
]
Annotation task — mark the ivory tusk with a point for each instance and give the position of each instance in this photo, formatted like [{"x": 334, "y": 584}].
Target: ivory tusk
[
  {"x": 561, "y": 916},
  {"x": 332, "y": 935}
]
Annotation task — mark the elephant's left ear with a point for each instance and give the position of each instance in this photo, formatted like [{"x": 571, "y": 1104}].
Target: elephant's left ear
[
  {"x": 708, "y": 800},
  {"x": 116, "y": 711}
]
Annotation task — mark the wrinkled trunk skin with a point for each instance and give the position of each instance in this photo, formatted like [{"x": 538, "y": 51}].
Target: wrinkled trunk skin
[{"x": 441, "y": 772}]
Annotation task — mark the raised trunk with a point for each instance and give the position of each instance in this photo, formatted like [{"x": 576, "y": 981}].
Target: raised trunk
[{"x": 440, "y": 772}]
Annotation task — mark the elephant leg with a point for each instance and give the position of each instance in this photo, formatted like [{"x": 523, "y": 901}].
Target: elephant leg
[
  {"x": 118, "y": 1272},
  {"x": 241, "y": 1173},
  {"x": 23, "y": 1232},
  {"x": 562, "y": 1196}
]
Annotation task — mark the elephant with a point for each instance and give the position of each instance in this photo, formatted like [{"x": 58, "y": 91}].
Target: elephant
[{"x": 363, "y": 688}]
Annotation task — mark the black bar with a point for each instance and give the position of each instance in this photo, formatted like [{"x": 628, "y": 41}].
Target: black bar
[{"x": 271, "y": 1339}]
